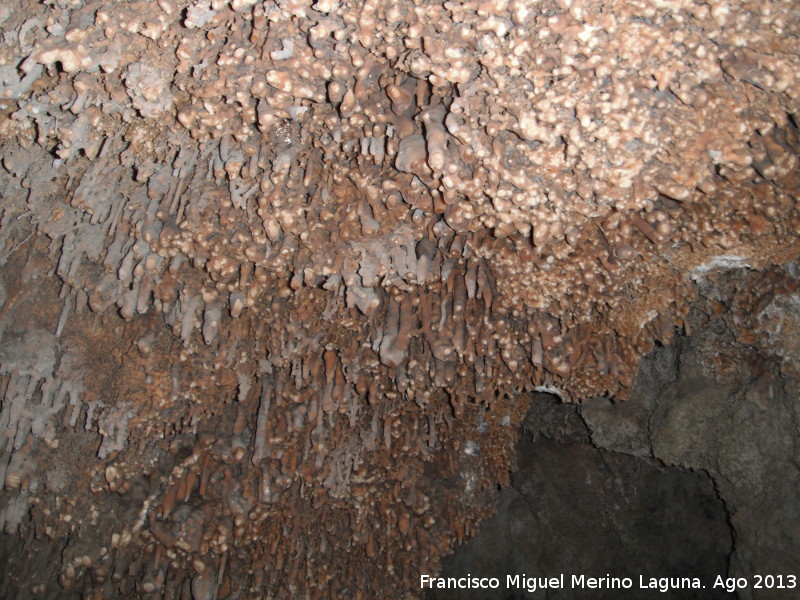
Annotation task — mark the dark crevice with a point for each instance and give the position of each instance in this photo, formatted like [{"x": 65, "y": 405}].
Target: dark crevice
[
  {"x": 637, "y": 516},
  {"x": 600, "y": 491}
]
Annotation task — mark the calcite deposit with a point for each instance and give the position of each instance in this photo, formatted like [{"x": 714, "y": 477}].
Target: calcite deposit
[{"x": 278, "y": 277}]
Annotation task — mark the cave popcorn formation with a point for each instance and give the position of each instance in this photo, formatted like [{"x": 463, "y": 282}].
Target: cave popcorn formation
[{"x": 278, "y": 276}]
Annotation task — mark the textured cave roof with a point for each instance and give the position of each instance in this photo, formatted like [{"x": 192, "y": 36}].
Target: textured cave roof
[{"x": 301, "y": 262}]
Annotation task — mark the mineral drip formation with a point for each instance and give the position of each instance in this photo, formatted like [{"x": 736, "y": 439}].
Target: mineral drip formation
[{"x": 278, "y": 277}]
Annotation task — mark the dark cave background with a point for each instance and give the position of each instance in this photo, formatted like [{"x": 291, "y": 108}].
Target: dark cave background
[{"x": 682, "y": 480}]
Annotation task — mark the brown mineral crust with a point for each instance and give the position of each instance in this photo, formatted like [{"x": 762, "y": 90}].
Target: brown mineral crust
[{"x": 308, "y": 258}]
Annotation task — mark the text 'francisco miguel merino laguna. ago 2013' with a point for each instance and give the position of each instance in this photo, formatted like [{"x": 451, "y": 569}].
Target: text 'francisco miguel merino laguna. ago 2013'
[{"x": 662, "y": 584}]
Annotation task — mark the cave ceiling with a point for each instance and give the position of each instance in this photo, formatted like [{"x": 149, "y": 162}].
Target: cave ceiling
[{"x": 279, "y": 276}]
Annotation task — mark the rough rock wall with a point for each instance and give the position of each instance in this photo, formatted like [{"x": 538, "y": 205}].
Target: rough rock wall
[
  {"x": 282, "y": 271},
  {"x": 727, "y": 403},
  {"x": 694, "y": 476},
  {"x": 575, "y": 508}
]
